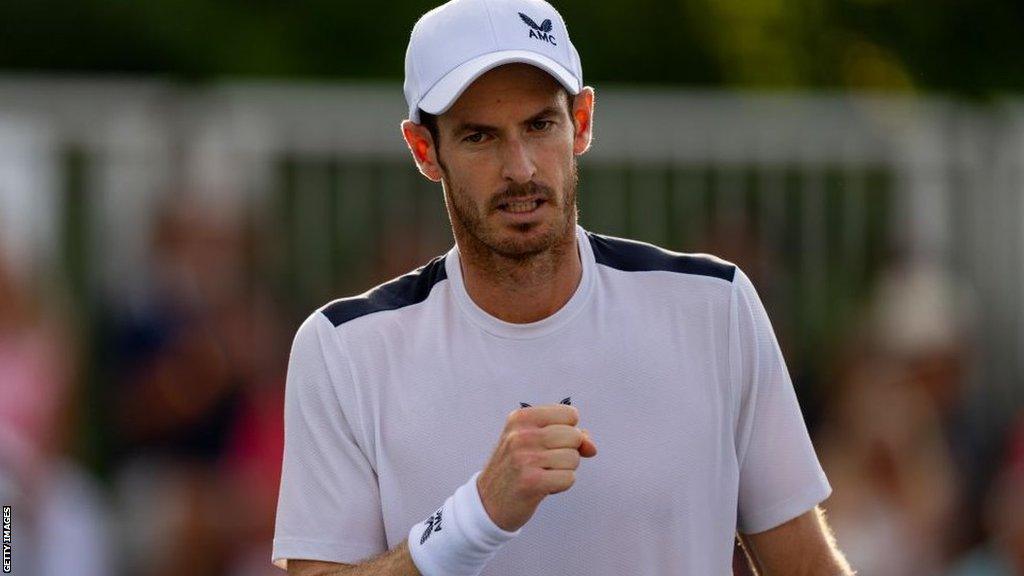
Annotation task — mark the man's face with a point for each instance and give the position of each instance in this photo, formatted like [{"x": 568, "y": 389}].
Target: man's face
[{"x": 509, "y": 172}]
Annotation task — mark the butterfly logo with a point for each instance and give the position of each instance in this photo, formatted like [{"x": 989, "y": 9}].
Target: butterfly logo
[
  {"x": 567, "y": 401},
  {"x": 540, "y": 31}
]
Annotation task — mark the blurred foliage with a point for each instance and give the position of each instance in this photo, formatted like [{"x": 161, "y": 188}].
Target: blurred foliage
[{"x": 949, "y": 45}]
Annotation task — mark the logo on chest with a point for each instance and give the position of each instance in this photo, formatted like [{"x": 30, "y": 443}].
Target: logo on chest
[{"x": 567, "y": 401}]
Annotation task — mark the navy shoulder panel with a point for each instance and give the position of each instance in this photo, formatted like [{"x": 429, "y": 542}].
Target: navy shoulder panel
[
  {"x": 406, "y": 290},
  {"x": 632, "y": 256}
]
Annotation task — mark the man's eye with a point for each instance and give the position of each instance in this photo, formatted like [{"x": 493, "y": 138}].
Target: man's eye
[
  {"x": 541, "y": 125},
  {"x": 475, "y": 137}
]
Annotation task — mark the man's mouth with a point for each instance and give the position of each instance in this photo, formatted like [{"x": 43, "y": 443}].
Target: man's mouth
[{"x": 521, "y": 205}]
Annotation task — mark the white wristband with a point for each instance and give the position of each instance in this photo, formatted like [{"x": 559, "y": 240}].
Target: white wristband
[{"x": 459, "y": 539}]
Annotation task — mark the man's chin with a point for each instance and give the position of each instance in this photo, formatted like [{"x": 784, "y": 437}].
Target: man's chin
[
  {"x": 520, "y": 251},
  {"x": 521, "y": 242}
]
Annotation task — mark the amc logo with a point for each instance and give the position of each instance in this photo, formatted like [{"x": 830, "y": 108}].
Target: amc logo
[{"x": 540, "y": 32}]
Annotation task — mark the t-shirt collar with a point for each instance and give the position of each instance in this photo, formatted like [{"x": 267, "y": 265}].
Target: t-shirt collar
[{"x": 542, "y": 327}]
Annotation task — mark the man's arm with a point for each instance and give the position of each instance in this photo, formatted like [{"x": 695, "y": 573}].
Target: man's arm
[
  {"x": 394, "y": 562},
  {"x": 536, "y": 456},
  {"x": 804, "y": 546}
]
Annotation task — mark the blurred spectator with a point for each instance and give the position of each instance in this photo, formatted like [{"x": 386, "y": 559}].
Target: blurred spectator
[
  {"x": 60, "y": 519},
  {"x": 922, "y": 318},
  {"x": 173, "y": 391},
  {"x": 1003, "y": 553},
  {"x": 252, "y": 464},
  {"x": 891, "y": 472},
  {"x": 197, "y": 404},
  {"x": 885, "y": 449}
]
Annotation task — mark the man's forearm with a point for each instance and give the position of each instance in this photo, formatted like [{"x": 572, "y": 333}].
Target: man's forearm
[
  {"x": 832, "y": 565},
  {"x": 803, "y": 546},
  {"x": 394, "y": 562}
]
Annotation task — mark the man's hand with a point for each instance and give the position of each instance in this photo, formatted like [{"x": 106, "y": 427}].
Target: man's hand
[{"x": 537, "y": 455}]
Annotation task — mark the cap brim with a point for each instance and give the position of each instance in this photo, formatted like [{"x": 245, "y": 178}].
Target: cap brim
[{"x": 448, "y": 89}]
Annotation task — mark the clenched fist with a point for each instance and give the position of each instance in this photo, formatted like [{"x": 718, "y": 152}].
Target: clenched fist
[{"x": 537, "y": 455}]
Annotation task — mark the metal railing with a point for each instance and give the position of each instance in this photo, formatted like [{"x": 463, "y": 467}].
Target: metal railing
[{"x": 816, "y": 193}]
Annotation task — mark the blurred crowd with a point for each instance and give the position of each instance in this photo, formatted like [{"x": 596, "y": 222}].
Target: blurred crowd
[
  {"x": 144, "y": 436},
  {"x": 186, "y": 410}
]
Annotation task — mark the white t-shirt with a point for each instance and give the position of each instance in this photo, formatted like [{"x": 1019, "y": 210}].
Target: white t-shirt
[{"x": 397, "y": 396}]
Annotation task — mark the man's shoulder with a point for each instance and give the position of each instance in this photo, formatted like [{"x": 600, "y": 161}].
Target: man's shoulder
[
  {"x": 406, "y": 290},
  {"x": 635, "y": 256}
]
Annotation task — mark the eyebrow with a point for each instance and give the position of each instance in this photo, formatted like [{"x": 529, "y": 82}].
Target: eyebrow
[{"x": 465, "y": 127}]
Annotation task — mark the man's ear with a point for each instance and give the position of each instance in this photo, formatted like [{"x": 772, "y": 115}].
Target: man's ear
[
  {"x": 583, "y": 120},
  {"x": 421, "y": 144}
]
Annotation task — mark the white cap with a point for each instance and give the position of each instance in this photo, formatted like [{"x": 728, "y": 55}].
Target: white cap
[{"x": 455, "y": 43}]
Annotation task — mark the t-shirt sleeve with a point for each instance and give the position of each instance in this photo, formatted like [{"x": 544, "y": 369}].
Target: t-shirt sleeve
[
  {"x": 780, "y": 476},
  {"x": 328, "y": 507}
]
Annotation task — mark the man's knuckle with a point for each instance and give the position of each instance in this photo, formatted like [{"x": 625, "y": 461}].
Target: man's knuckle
[
  {"x": 522, "y": 459},
  {"x": 577, "y": 437},
  {"x": 574, "y": 460},
  {"x": 523, "y": 435},
  {"x": 574, "y": 415},
  {"x": 561, "y": 481},
  {"x": 513, "y": 438},
  {"x": 523, "y": 438},
  {"x": 531, "y": 479},
  {"x": 514, "y": 417}
]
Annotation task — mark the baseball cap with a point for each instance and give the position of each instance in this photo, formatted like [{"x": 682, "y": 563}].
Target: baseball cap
[{"x": 457, "y": 42}]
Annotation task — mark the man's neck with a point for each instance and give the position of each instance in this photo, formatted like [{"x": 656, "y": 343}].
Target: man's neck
[{"x": 522, "y": 291}]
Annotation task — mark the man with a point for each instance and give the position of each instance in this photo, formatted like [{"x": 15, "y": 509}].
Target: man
[{"x": 432, "y": 423}]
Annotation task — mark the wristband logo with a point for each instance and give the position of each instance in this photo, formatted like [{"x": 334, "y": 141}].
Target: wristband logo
[
  {"x": 539, "y": 31},
  {"x": 567, "y": 401},
  {"x": 433, "y": 525}
]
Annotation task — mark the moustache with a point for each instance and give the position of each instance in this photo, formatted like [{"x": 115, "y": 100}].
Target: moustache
[{"x": 520, "y": 192}]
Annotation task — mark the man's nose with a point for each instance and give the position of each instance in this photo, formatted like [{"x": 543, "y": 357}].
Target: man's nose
[{"x": 517, "y": 165}]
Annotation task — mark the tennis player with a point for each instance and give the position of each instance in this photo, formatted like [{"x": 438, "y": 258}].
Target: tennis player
[{"x": 540, "y": 400}]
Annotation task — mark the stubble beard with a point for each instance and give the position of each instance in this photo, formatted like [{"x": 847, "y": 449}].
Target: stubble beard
[{"x": 481, "y": 239}]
